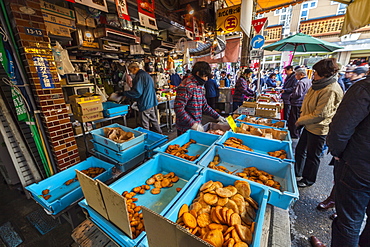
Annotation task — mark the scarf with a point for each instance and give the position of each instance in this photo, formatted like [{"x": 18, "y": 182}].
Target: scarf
[
  {"x": 319, "y": 84},
  {"x": 200, "y": 80}
]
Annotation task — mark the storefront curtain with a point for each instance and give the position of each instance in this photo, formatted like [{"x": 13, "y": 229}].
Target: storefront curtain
[{"x": 357, "y": 16}]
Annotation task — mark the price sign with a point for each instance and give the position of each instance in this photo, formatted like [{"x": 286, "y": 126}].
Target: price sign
[{"x": 33, "y": 31}]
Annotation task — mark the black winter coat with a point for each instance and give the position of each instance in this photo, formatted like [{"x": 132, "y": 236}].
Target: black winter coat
[
  {"x": 349, "y": 134},
  {"x": 289, "y": 85}
]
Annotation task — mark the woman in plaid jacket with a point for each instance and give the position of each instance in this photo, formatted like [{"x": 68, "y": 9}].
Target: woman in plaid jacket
[{"x": 190, "y": 102}]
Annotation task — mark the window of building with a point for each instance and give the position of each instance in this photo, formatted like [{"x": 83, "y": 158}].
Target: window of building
[
  {"x": 277, "y": 12},
  {"x": 341, "y": 9},
  {"x": 306, "y": 7},
  {"x": 260, "y": 16},
  {"x": 282, "y": 19}
]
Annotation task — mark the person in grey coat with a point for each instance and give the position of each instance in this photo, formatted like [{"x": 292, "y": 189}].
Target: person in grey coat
[
  {"x": 296, "y": 99},
  {"x": 289, "y": 85}
]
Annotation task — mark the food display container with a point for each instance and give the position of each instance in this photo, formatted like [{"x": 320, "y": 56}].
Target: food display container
[
  {"x": 202, "y": 145},
  {"x": 122, "y": 167},
  {"x": 63, "y": 195},
  {"x": 258, "y": 193},
  {"x": 99, "y": 137},
  {"x": 153, "y": 140},
  {"x": 216, "y": 126},
  {"x": 160, "y": 203},
  {"x": 287, "y": 138},
  {"x": 242, "y": 117},
  {"x": 111, "y": 109},
  {"x": 123, "y": 156},
  {"x": 260, "y": 146},
  {"x": 282, "y": 171}
]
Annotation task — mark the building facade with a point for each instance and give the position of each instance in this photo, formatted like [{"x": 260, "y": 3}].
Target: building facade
[{"x": 321, "y": 19}]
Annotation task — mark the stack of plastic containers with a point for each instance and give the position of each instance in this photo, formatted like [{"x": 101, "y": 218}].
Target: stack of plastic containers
[{"x": 126, "y": 154}]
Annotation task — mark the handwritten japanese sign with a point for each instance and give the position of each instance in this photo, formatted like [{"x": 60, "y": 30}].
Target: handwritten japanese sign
[
  {"x": 228, "y": 20},
  {"x": 43, "y": 71}
]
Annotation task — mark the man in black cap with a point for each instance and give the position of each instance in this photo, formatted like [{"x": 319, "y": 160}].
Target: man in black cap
[{"x": 355, "y": 74}]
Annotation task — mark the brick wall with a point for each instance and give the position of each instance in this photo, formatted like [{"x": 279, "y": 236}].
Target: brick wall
[{"x": 51, "y": 102}]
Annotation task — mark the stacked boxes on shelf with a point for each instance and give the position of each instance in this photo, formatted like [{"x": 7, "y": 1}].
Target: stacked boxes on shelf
[{"x": 87, "y": 107}]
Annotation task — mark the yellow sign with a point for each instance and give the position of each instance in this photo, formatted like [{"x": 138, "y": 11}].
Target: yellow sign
[
  {"x": 231, "y": 122},
  {"x": 228, "y": 20}
]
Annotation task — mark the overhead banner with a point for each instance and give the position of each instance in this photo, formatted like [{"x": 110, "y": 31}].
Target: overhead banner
[
  {"x": 100, "y": 5},
  {"x": 228, "y": 20},
  {"x": 122, "y": 11},
  {"x": 146, "y": 14}
]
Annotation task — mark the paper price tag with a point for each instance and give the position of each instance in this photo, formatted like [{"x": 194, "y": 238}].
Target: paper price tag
[{"x": 231, "y": 122}]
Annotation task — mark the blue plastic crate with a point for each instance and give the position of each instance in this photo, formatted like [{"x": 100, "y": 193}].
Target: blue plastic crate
[
  {"x": 123, "y": 156},
  {"x": 259, "y": 145},
  {"x": 111, "y": 109},
  {"x": 153, "y": 139},
  {"x": 288, "y": 138},
  {"x": 64, "y": 195},
  {"x": 204, "y": 141},
  {"x": 123, "y": 167},
  {"x": 258, "y": 193},
  {"x": 282, "y": 171},
  {"x": 241, "y": 117},
  {"x": 160, "y": 203},
  {"x": 99, "y": 137}
]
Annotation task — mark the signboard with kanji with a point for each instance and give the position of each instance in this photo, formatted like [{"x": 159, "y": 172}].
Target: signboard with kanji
[
  {"x": 258, "y": 24},
  {"x": 43, "y": 71},
  {"x": 228, "y": 20}
]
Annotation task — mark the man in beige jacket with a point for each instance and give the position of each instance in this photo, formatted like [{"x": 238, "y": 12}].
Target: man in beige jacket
[{"x": 318, "y": 108}]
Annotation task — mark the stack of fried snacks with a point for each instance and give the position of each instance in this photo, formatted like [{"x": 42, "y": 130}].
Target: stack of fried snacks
[
  {"x": 136, "y": 217},
  {"x": 236, "y": 143},
  {"x": 281, "y": 154},
  {"x": 262, "y": 177},
  {"x": 221, "y": 216},
  {"x": 215, "y": 165},
  {"x": 118, "y": 135},
  {"x": 181, "y": 151}
]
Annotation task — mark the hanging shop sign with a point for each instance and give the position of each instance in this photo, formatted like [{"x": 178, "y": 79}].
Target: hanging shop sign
[
  {"x": 20, "y": 108},
  {"x": 146, "y": 13},
  {"x": 122, "y": 11},
  {"x": 43, "y": 71},
  {"x": 100, "y": 5},
  {"x": 228, "y": 20}
]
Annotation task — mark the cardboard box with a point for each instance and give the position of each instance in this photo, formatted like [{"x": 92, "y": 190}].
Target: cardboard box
[
  {"x": 89, "y": 117},
  {"x": 87, "y": 108},
  {"x": 57, "y": 10},
  {"x": 85, "y": 98},
  {"x": 49, "y": 18},
  {"x": 69, "y": 108},
  {"x": 82, "y": 18},
  {"x": 58, "y": 30},
  {"x": 77, "y": 130}
]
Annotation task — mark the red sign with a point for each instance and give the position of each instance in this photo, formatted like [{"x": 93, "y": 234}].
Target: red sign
[
  {"x": 258, "y": 24},
  {"x": 122, "y": 9},
  {"x": 146, "y": 13}
]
